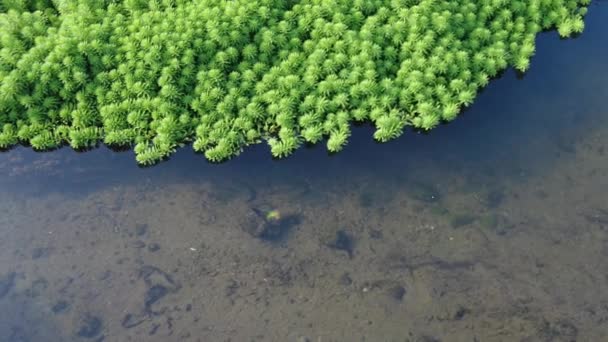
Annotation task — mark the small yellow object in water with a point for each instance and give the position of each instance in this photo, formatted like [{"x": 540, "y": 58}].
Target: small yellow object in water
[{"x": 273, "y": 215}]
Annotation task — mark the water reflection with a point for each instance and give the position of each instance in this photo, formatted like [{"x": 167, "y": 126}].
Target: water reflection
[{"x": 491, "y": 228}]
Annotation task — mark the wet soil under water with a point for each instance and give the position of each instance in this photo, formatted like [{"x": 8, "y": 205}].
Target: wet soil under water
[{"x": 491, "y": 228}]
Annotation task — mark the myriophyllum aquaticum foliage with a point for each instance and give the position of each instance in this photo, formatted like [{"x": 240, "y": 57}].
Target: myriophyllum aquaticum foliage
[{"x": 224, "y": 74}]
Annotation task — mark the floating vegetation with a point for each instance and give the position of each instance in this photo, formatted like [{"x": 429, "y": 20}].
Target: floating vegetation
[{"x": 222, "y": 75}]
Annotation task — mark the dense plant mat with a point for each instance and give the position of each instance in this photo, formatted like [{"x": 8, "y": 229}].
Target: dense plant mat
[{"x": 223, "y": 74}]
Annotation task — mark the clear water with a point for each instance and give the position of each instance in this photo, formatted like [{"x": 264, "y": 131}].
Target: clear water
[{"x": 491, "y": 228}]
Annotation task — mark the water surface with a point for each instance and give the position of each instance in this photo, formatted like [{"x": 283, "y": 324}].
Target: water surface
[{"x": 491, "y": 228}]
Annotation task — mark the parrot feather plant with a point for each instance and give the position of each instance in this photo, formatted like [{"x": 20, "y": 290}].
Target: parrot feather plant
[{"x": 158, "y": 74}]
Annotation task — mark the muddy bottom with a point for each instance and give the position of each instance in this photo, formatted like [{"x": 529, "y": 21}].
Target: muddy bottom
[{"x": 188, "y": 262}]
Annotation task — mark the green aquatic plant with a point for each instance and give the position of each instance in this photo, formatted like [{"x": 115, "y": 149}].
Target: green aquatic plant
[
  {"x": 158, "y": 74},
  {"x": 273, "y": 215}
]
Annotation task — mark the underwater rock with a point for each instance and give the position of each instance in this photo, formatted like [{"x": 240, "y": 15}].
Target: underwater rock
[
  {"x": 343, "y": 242},
  {"x": 397, "y": 292},
  {"x": 255, "y": 222},
  {"x": 90, "y": 326},
  {"x": 6, "y": 283},
  {"x": 154, "y": 294},
  {"x": 460, "y": 313},
  {"x": 141, "y": 229},
  {"x": 153, "y": 247},
  {"x": 345, "y": 280},
  {"x": 159, "y": 285},
  {"x": 268, "y": 225},
  {"x": 60, "y": 307},
  {"x": 277, "y": 231},
  {"x": 394, "y": 290}
]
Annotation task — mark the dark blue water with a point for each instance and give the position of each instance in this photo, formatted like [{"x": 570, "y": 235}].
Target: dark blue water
[{"x": 491, "y": 228}]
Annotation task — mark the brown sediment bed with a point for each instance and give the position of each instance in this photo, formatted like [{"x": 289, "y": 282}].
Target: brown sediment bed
[{"x": 211, "y": 277}]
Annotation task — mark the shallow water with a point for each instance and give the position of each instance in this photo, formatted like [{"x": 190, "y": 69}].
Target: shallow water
[{"x": 491, "y": 228}]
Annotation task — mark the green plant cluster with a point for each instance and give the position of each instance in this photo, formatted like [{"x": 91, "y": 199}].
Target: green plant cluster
[{"x": 224, "y": 74}]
